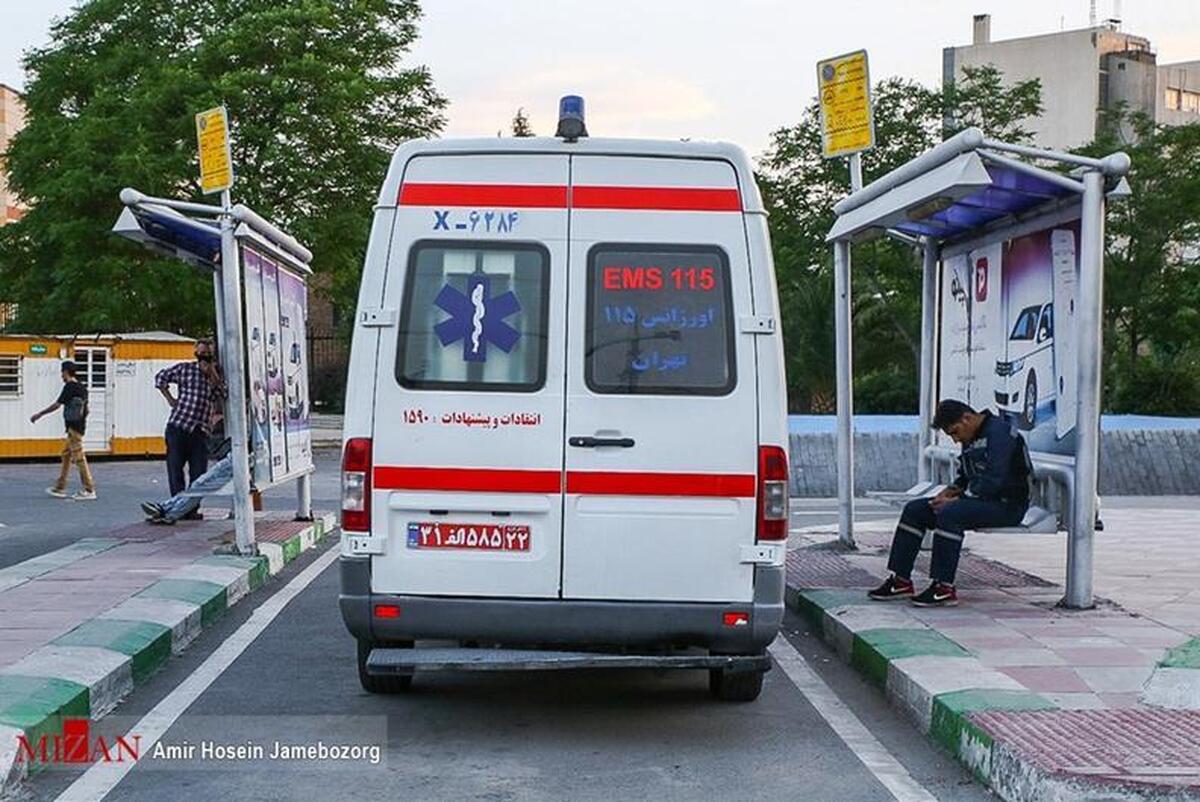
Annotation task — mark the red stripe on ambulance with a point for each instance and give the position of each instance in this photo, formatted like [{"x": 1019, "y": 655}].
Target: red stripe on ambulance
[
  {"x": 626, "y": 483},
  {"x": 544, "y": 196},
  {"x": 670, "y": 199},
  {"x": 493, "y": 480},
  {"x": 598, "y": 483},
  {"x": 521, "y": 196}
]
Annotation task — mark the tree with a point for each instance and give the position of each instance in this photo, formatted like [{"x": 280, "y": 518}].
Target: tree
[
  {"x": 317, "y": 94},
  {"x": 520, "y": 124},
  {"x": 1152, "y": 268},
  {"x": 800, "y": 187}
]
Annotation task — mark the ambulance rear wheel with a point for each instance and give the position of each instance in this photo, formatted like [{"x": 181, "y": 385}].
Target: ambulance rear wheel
[
  {"x": 373, "y": 683},
  {"x": 735, "y": 686}
]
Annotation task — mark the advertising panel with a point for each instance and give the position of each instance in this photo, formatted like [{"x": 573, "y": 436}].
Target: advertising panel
[
  {"x": 293, "y": 317},
  {"x": 1007, "y": 333},
  {"x": 274, "y": 371},
  {"x": 276, "y": 318},
  {"x": 256, "y": 369}
]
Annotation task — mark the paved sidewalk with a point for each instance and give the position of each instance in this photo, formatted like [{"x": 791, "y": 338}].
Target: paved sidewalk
[
  {"x": 1040, "y": 702},
  {"x": 80, "y": 627}
]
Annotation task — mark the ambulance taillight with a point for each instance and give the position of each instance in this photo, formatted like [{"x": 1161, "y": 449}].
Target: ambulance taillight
[
  {"x": 356, "y": 485},
  {"x": 772, "y": 493}
]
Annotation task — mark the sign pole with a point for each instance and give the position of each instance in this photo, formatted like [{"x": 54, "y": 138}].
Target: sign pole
[
  {"x": 235, "y": 379},
  {"x": 847, "y": 129}
]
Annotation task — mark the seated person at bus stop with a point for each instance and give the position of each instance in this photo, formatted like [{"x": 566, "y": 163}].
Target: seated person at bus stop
[
  {"x": 186, "y": 503},
  {"x": 992, "y": 490}
]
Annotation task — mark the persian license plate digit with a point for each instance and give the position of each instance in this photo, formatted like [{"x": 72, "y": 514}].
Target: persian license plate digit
[{"x": 468, "y": 537}]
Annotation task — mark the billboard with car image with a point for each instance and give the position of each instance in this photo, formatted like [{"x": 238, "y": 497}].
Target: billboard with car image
[{"x": 1007, "y": 333}]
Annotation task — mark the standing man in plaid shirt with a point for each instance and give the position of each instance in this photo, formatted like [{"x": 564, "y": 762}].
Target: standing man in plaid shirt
[{"x": 199, "y": 385}]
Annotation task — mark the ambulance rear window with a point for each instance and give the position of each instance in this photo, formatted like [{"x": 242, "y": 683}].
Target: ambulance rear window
[
  {"x": 659, "y": 321},
  {"x": 474, "y": 317}
]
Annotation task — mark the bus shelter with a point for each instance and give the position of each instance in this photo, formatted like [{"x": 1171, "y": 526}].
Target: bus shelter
[{"x": 1011, "y": 315}]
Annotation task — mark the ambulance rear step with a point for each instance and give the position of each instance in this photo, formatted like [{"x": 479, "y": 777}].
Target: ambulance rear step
[{"x": 390, "y": 661}]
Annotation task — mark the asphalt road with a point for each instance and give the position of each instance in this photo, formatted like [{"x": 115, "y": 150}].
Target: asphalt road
[
  {"x": 33, "y": 523},
  {"x": 520, "y": 736}
]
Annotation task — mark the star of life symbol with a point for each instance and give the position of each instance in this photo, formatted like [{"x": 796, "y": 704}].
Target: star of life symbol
[{"x": 477, "y": 319}]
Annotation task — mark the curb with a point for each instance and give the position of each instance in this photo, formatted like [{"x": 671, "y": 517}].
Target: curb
[
  {"x": 86, "y": 672},
  {"x": 944, "y": 691}
]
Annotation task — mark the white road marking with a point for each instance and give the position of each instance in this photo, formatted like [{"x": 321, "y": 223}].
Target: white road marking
[
  {"x": 101, "y": 778},
  {"x": 878, "y": 760}
]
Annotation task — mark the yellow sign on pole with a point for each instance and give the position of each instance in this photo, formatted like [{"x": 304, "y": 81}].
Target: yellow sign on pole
[
  {"x": 844, "y": 87},
  {"x": 216, "y": 162}
]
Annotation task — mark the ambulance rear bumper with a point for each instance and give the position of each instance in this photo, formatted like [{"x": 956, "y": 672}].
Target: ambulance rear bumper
[{"x": 563, "y": 622}]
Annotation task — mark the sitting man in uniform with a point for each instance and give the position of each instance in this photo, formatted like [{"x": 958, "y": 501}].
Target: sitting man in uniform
[{"x": 992, "y": 490}]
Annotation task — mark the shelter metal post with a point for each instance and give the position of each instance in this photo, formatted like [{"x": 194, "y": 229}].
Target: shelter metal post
[
  {"x": 304, "y": 498},
  {"x": 928, "y": 336},
  {"x": 235, "y": 377},
  {"x": 845, "y": 398},
  {"x": 1089, "y": 335}
]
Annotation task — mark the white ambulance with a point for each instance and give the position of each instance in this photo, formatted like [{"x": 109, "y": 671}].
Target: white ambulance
[{"x": 565, "y": 428}]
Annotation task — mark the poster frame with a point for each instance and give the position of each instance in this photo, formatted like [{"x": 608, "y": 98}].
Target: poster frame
[{"x": 247, "y": 238}]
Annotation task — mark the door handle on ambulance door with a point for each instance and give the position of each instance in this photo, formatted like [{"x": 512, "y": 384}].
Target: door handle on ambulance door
[{"x": 595, "y": 442}]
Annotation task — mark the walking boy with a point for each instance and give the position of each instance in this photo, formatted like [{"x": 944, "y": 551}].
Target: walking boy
[{"x": 74, "y": 402}]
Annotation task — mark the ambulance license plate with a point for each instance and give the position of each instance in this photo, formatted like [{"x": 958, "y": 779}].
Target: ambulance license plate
[{"x": 468, "y": 537}]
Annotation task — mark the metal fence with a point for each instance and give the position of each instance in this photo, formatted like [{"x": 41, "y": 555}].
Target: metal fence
[{"x": 328, "y": 358}]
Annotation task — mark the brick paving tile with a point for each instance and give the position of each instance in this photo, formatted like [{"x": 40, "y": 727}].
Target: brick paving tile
[
  {"x": 1115, "y": 679},
  {"x": 1102, "y": 656},
  {"x": 995, "y": 658},
  {"x": 1058, "y": 679},
  {"x": 1075, "y": 701},
  {"x": 1160, "y": 746}
]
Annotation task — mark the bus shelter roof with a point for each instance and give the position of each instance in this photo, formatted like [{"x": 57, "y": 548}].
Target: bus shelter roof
[{"x": 961, "y": 188}]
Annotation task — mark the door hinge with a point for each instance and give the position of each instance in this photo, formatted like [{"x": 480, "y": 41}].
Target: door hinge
[
  {"x": 757, "y": 324},
  {"x": 377, "y": 318},
  {"x": 764, "y": 554}
]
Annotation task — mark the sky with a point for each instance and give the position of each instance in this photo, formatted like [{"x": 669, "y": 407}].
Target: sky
[{"x": 704, "y": 69}]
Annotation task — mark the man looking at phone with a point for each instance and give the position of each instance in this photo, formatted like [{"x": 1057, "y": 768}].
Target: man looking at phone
[
  {"x": 199, "y": 385},
  {"x": 992, "y": 490}
]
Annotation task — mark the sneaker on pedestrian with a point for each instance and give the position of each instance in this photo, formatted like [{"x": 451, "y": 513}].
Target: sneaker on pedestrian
[
  {"x": 54, "y": 491},
  {"x": 85, "y": 495},
  {"x": 152, "y": 509},
  {"x": 939, "y": 594},
  {"x": 893, "y": 587}
]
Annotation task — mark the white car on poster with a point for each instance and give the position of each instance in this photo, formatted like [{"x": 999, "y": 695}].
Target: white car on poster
[{"x": 1025, "y": 378}]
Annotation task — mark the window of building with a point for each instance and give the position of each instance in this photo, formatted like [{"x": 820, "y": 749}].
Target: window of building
[
  {"x": 474, "y": 317},
  {"x": 10, "y": 376},
  {"x": 659, "y": 321},
  {"x": 1190, "y": 102},
  {"x": 1171, "y": 99}
]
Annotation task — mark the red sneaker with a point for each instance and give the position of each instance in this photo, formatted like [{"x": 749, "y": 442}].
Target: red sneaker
[
  {"x": 939, "y": 594},
  {"x": 892, "y": 588}
]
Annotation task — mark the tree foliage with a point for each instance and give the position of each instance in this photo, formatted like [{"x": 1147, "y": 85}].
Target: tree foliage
[
  {"x": 520, "y": 124},
  {"x": 1152, "y": 269},
  {"x": 801, "y": 187},
  {"x": 318, "y": 94}
]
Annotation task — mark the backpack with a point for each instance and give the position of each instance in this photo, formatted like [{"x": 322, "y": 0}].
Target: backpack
[{"x": 75, "y": 410}]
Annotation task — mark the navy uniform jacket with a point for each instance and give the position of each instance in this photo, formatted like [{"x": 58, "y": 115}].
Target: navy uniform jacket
[{"x": 995, "y": 465}]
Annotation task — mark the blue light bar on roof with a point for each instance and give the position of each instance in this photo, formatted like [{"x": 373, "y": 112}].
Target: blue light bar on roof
[{"x": 571, "y": 125}]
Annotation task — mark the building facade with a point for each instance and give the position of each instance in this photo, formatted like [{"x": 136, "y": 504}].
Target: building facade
[
  {"x": 1083, "y": 74},
  {"x": 12, "y": 119}
]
